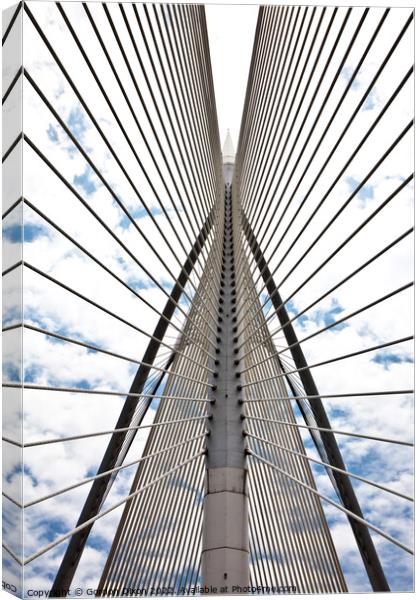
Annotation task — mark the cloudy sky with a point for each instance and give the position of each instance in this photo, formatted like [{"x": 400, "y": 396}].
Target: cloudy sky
[
  {"x": 51, "y": 362},
  {"x": 231, "y": 35}
]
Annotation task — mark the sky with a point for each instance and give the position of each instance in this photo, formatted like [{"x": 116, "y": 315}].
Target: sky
[
  {"x": 48, "y": 361},
  {"x": 231, "y": 36}
]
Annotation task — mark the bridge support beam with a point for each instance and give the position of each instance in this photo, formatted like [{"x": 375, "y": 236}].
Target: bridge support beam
[
  {"x": 345, "y": 488},
  {"x": 95, "y": 498},
  {"x": 225, "y": 558}
]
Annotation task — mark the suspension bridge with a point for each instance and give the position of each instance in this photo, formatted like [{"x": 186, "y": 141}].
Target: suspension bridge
[{"x": 176, "y": 297}]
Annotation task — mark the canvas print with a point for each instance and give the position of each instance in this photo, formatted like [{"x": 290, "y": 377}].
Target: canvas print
[{"x": 207, "y": 299}]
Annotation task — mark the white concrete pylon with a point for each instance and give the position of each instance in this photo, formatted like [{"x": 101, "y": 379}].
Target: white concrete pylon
[{"x": 228, "y": 150}]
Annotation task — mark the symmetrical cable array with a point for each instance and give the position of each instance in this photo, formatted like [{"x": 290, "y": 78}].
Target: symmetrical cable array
[
  {"x": 138, "y": 79},
  {"x": 289, "y": 536},
  {"x": 304, "y": 131},
  {"x": 163, "y": 238},
  {"x": 169, "y": 516}
]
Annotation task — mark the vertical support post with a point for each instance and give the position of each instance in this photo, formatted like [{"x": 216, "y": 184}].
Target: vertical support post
[
  {"x": 345, "y": 488},
  {"x": 93, "y": 503},
  {"x": 225, "y": 558}
]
